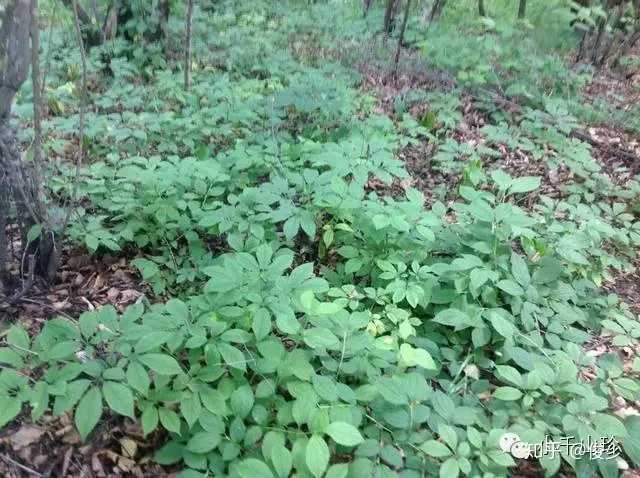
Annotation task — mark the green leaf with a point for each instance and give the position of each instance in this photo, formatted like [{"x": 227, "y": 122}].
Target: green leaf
[
  {"x": 481, "y": 210},
  {"x": 148, "y": 269},
  {"x": 449, "y": 469},
  {"x": 190, "y": 408},
  {"x": 317, "y": 456},
  {"x": 524, "y": 184},
  {"x": 608, "y": 425},
  {"x": 34, "y": 233},
  {"x": 214, "y": 401},
  {"x": 502, "y": 325},
  {"x": 203, "y": 442},
  {"x": 242, "y": 401},
  {"x": 149, "y": 419},
  {"x": 344, "y": 434},
  {"x": 138, "y": 378},
  {"x": 172, "y": 452},
  {"x": 290, "y": 227},
  {"x": 435, "y": 449},
  {"x": 287, "y": 323},
  {"x": 340, "y": 470},
  {"x": 520, "y": 270},
  {"x": 18, "y": 337},
  {"x": 318, "y": 337},
  {"x": 502, "y": 179},
  {"x": 119, "y": 398},
  {"x": 414, "y": 356},
  {"x": 8, "y": 356},
  {"x": 453, "y": 318},
  {"x": 282, "y": 460},
  {"x": 88, "y": 412},
  {"x": 510, "y": 287},
  {"x": 169, "y": 420},
  {"x": 232, "y": 356},
  {"x": 253, "y": 468},
  {"x": 380, "y": 221},
  {"x": 632, "y": 442},
  {"x": 478, "y": 277},
  {"x": 9, "y": 409},
  {"x": 261, "y": 323},
  {"x": 161, "y": 363},
  {"x": 507, "y": 393},
  {"x": 510, "y": 374}
]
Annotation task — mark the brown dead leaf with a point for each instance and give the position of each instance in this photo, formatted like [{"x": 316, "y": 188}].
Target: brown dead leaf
[
  {"x": 27, "y": 435},
  {"x": 129, "y": 447}
]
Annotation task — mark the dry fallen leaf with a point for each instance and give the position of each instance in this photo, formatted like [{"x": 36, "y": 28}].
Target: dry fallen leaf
[
  {"x": 129, "y": 447},
  {"x": 27, "y": 435}
]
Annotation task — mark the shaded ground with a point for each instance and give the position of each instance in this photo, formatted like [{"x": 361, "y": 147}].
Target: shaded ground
[
  {"x": 83, "y": 282},
  {"x": 53, "y": 447},
  {"x": 615, "y": 149}
]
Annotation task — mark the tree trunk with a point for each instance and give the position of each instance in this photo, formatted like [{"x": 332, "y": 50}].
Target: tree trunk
[
  {"x": 522, "y": 9},
  {"x": 35, "y": 77},
  {"x": 110, "y": 25},
  {"x": 481, "y": 10},
  {"x": 367, "y": 6},
  {"x": 91, "y": 35},
  {"x": 165, "y": 13},
  {"x": 19, "y": 182},
  {"x": 600, "y": 58},
  {"x": 436, "y": 10},
  {"x": 388, "y": 17},
  {"x": 187, "y": 55},
  {"x": 626, "y": 45},
  {"x": 14, "y": 56},
  {"x": 401, "y": 37}
]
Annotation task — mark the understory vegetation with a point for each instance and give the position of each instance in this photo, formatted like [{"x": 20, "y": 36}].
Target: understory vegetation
[{"x": 317, "y": 304}]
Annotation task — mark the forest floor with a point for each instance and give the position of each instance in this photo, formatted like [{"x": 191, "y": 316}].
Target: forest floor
[{"x": 85, "y": 282}]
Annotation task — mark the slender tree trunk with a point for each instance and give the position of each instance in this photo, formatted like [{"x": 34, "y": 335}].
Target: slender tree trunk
[
  {"x": 598, "y": 41},
  {"x": 165, "y": 13},
  {"x": 367, "y": 6},
  {"x": 522, "y": 9},
  {"x": 91, "y": 35},
  {"x": 14, "y": 58},
  {"x": 615, "y": 37},
  {"x": 436, "y": 11},
  {"x": 626, "y": 46},
  {"x": 401, "y": 37},
  {"x": 187, "y": 55},
  {"x": 481, "y": 10},
  {"x": 110, "y": 24},
  {"x": 388, "y": 17},
  {"x": 35, "y": 77},
  {"x": 4, "y": 243}
]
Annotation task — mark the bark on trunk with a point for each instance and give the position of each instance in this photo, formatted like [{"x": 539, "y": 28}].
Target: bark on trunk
[
  {"x": 92, "y": 36},
  {"x": 401, "y": 37},
  {"x": 187, "y": 56},
  {"x": 436, "y": 11},
  {"x": 19, "y": 184},
  {"x": 522, "y": 9},
  {"x": 481, "y": 10},
  {"x": 388, "y": 17},
  {"x": 35, "y": 76}
]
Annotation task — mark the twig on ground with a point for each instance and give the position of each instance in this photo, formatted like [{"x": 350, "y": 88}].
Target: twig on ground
[{"x": 13, "y": 462}]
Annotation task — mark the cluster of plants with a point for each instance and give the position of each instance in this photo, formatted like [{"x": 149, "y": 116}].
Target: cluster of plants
[{"x": 305, "y": 325}]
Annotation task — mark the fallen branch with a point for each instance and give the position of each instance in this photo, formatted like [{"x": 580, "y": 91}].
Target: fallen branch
[{"x": 625, "y": 154}]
